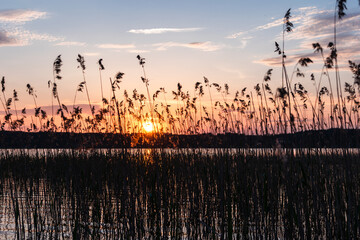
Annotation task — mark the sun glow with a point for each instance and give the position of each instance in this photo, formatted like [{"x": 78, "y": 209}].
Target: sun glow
[{"x": 148, "y": 126}]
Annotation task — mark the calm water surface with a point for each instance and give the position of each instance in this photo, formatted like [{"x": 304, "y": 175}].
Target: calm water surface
[{"x": 180, "y": 194}]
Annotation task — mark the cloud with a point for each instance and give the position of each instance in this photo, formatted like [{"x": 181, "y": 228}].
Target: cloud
[
  {"x": 137, "y": 51},
  {"x": 244, "y": 38},
  {"x": 298, "y": 17},
  {"x": 275, "y": 23},
  {"x": 236, "y": 35},
  {"x": 68, "y": 43},
  {"x": 312, "y": 25},
  {"x": 91, "y": 54},
  {"x": 5, "y": 40},
  {"x": 320, "y": 26},
  {"x": 20, "y": 15},
  {"x": 292, "y": 59},
  {"x": 163, "y": 30},
  {"x": 13, "y": 33},
  {"x": 203, "y": 46},
  {"x": 244, "y": 41},
  {"x": 25, "y": 37},
  {"x": 20, "y": 37},
  {"x": 116, "y": 46}
]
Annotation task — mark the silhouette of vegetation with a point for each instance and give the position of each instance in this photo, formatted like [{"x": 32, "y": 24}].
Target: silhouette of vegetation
[
  {"x": 283, "y": 164},
  {"x": 192, "y": 194},
  {"x": 261, "y": 111}
]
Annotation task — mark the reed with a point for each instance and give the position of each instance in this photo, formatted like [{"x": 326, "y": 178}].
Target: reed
[
  {"x": 275, "y": 193},
  {"x": 194, "y": 193},
  {"x": 259, "y": 111}
]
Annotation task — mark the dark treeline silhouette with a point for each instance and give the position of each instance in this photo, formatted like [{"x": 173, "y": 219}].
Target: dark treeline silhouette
[
  {"x": 331, "y": 138},
  {"x": 287, "y": 188}
]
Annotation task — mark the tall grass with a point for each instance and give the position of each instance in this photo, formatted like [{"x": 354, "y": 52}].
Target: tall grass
[
  {"x": 193, "y": 194},
  {"x": 189, "y": 193},
  {"x": 263, "y": 110}
]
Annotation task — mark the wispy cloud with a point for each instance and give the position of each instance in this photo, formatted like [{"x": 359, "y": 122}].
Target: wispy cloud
[
  {"x": 137, "y": 51},
  {"x": 163, "y": 30},
  {"x": 116, "y": 46},
  {"x": 313, "y": 25},
  {"x": 244, "y": 38},
  {"x": 236, "y": 35},
  {"x": 5, "y": 40},
  {"x": 25, "y": 37},
  {"x": 291, "y": 59},
  {"x": 275, "y": 23},
  {"x": 91, "y": 54},
  {"x": 319, "y": 25},
  {"x": 203, "y": 46},
  {"x": 20, "y": 15},
  {"x": 297, "y": 18},
  {"x": 69, "y": 43},
  {"x": 14, "y": 34}
]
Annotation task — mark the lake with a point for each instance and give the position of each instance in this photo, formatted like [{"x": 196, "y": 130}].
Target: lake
[{"x": 180, "y": 194}]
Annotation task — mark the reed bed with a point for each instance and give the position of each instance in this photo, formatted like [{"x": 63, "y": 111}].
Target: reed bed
[
  {"x": 181, "y": 194},
  {"x": 209, "y": 107},
  {"x": 188, "y": 193}
]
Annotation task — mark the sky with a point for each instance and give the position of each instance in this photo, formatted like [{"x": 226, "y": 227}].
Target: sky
[{"x": 227, "y": 41}]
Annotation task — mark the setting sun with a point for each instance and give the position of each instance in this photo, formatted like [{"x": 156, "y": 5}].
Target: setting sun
[
  {"x": 240, "y": 120},
  {"x": 148, "y": 126}
]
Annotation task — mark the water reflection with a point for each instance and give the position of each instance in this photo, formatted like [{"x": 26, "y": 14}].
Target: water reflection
[
  {"x": 206, "y": 151},
  {"x": 179, "y": 194}
]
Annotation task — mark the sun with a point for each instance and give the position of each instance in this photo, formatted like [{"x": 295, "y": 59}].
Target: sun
[{"x": 148, "y": 126}]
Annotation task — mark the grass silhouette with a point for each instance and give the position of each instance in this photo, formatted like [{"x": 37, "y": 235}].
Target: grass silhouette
[
  {"x": 189, "y": 193},
  {"x": 212, "y": 194},
  {"x": 261, "y": 111}
]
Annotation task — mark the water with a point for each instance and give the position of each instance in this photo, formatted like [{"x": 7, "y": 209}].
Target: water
[
  {"x": 180, "y": 194},
  {"x": 146, "y": 151}
]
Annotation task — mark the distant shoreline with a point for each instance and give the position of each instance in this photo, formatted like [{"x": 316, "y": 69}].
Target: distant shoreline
[{"x": 331, "y": 138}]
